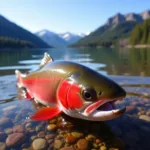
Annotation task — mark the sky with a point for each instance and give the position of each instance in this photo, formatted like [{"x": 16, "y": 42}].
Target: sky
[{"x": 78, "y": 16}]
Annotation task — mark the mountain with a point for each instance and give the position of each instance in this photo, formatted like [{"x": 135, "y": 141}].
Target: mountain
[
  {"x": 51, "y": 38},
  {"x": 11, "y": 30},
  {"x": 116, "y": 27},
  {"x": 71, "y": 38}
]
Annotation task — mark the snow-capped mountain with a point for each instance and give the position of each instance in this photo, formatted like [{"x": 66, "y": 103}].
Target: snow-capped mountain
[
  {"x": 71, "y": 38},
  {"x": 51, "y": 38}
]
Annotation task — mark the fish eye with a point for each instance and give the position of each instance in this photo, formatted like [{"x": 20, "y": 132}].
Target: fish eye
[{"x": 89, "y": 94}]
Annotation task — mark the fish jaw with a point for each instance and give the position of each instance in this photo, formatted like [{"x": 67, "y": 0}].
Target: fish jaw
[{"x": 103, "y": 110}]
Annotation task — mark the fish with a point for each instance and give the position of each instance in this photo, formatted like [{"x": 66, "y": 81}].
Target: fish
[{"x": 71, "y": 88}]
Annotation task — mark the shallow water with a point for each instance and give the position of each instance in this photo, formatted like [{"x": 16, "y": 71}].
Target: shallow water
[{"x": 129, "y": 68}]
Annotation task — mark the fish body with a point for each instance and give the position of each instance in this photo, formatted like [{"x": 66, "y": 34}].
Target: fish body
[{"x": 72, "y": 88}]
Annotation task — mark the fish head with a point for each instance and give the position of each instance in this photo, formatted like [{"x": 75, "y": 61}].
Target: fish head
[{"x": 89, "y": 95}]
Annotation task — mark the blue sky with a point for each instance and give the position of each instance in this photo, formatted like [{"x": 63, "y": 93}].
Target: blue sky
[{"x": 67, "y": 15}]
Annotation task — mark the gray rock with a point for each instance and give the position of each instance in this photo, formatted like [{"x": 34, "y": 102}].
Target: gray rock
[
  {"x": 15, "y": 139},
  {"x": 39, "y": 144}
]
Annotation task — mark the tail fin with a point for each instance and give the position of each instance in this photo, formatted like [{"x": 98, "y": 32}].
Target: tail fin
[{"x": 19, "y": 78}]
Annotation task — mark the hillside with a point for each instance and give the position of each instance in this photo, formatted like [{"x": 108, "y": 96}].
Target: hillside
[
  {"x": 11, "y": 30},
  {"x": 141, "y": 33},
  {"x": 116, "y": 27}
]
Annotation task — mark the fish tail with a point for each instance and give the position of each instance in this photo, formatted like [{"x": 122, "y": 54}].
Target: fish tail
[{"x": 19, "y": 78}]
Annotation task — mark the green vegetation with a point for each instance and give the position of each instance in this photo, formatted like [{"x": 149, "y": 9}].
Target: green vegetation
[
  {"x": 107, "y": 35},
  {"x": 141, "y": 33},
  {"x": 13, "y": 31},
  {"x": 6, "y": 42}
]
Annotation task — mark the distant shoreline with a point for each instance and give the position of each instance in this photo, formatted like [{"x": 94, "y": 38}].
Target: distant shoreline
[{"x": 138, "y": 46}]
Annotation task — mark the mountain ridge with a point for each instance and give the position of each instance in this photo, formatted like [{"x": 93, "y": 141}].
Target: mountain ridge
[{"x": 10, "y": 29}]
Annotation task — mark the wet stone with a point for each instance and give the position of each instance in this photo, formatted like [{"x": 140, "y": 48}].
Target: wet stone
[
  {"x": 2, "y": 146},
  {"x": 14, "y": 139},
  {"x": 103, "y": 148},
  {"x": 77, "y": 134},
  {"x": 18, "y": 128},
  {"x": 9, "y": 131},
  {"x": 83, "y": 144},
  {"x": 58, "y": 144},
  {"x": 39, "y": 144},
  {"x": 41, "y": 134},
  {"x": 70, "y": 139},
  {"x": 51, "y": 127},
  {"x": 50, "y": 136},
  {"x": 144, "y": 117},
  {"x": 38, "y": 128},
  {"x": 33, "y": 137},
  {"x": 5, "y": 122}
]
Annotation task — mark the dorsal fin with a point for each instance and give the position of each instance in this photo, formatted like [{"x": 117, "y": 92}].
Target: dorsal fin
[{"x": 46, "y": 59}]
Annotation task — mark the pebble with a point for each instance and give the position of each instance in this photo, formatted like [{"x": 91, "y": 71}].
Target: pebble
[
  {"x": 18, "y": 128},
  {"x": 58, "y": 144},
  {"x": 41, "y": 134},
  {"x": 50, "y": 136},
  {"x": 38, "y": 128},
  {"x": 5, "y": 122},
  {"x": 39, "y": 144},
  {"x": 144, "y": 117},
  {"x": 77, "y": 134},
  {"x": 14, "y": 139},
  {"x": 51, "y": 127},
  {"x": 9, "y": 131},
  {"x": 70, "y": 139},
  {"x": 103, "y": 148},
  {"x": 83, "y": 144},
  {"x": 2, "y": 146}
]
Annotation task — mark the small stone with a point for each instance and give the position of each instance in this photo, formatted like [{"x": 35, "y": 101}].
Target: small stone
[
  {"x": 39, "y": 144},
  {"x": 9, "y": 131},
  {"x": 90, "y": 137},
  {"x": 5, "y": 122},
  {"x": 83, "y": 144},
  {"x": 18, "y": 128},
  {"x": 70, "y": 139},
  {"x": 14, "y": 139},
  {"x": 67, "y": 148},
  {"x": 97, "y": 141},
  {"x": 77, "y": 134},
  {"x": 130, "y": 108},
  {"x": 103, "y": 148},
  {"x": 58, "y": 144},
  {"x": 51, "y": 127},
  {"x": 54, "y": 120},
  {"x": 33, "y": 137},
  {"x": 49, "y": 136},
  {"x": 38, "y": 128},
  {"x": 25, "y": 145},
  {"x": 28, "y": 125},
  {"x": 2, "y": 146},
  {"x": 41, "y": 134},
  {"x": 144, "y": 117}
]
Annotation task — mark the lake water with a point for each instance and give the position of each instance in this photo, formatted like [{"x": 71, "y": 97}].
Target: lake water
[{"x": 129, "y": 68}]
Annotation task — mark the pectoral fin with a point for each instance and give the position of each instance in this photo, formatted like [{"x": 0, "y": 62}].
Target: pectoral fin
[{"x": 46, "y": 113}]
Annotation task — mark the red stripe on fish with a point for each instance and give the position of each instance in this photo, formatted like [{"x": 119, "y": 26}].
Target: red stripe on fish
[
  {"x": 93, "y": 106},
  {"x": 62, "y": 92},
  {"x": 74, "y": 99},
  {"x": 43, "y": 89}
]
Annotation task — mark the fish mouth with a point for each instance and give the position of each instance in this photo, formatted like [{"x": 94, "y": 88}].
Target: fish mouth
[{"x": 104, "y": 110}]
